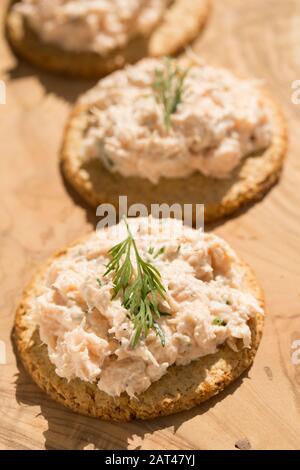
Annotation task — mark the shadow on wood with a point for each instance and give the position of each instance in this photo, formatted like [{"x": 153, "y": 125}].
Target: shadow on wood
[{"x": 64, "y": 88}]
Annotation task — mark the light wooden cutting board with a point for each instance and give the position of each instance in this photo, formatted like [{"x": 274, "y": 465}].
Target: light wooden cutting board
[{"x": 39, "y": 214}]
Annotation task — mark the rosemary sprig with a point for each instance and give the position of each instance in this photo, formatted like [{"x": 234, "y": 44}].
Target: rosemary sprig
[
  {"x": 141, "y": 288},
  {"x": 168, "y": 88}
]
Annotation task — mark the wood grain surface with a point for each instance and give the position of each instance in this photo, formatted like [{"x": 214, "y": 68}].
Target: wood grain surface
[{"x": 39, "y": 214}]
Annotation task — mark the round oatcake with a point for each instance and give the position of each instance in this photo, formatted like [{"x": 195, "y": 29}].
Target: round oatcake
[
  {"x": 249, "y": 182},
  {"x": 182, "y": 388},
  {"x": 166, "y": 39}
]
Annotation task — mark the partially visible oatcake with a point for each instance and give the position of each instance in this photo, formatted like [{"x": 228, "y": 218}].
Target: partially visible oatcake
[{"x": 166, "y": 39}]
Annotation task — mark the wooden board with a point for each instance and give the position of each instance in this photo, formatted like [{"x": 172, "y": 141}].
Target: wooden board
[{"x": 39, "y": 214}]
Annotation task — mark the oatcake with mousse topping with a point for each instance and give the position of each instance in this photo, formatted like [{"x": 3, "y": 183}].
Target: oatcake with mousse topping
[
  {"x": 170, "y": 324},
  {"x": 91, "y": 38},
  {"x": 170, "y": 132}
]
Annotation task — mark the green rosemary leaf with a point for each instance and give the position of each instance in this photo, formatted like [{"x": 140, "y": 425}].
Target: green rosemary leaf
[
  {"x": 160, "y": 333},
  {"x": 219, "y": 322},
  {"x": 160, "y": 252}
]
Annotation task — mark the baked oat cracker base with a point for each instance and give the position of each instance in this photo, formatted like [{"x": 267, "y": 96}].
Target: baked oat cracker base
[
  {"x": 170, "y": 36},
  {"x": 180, "y": 389},
  {"x": 249, "y": 182}
]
